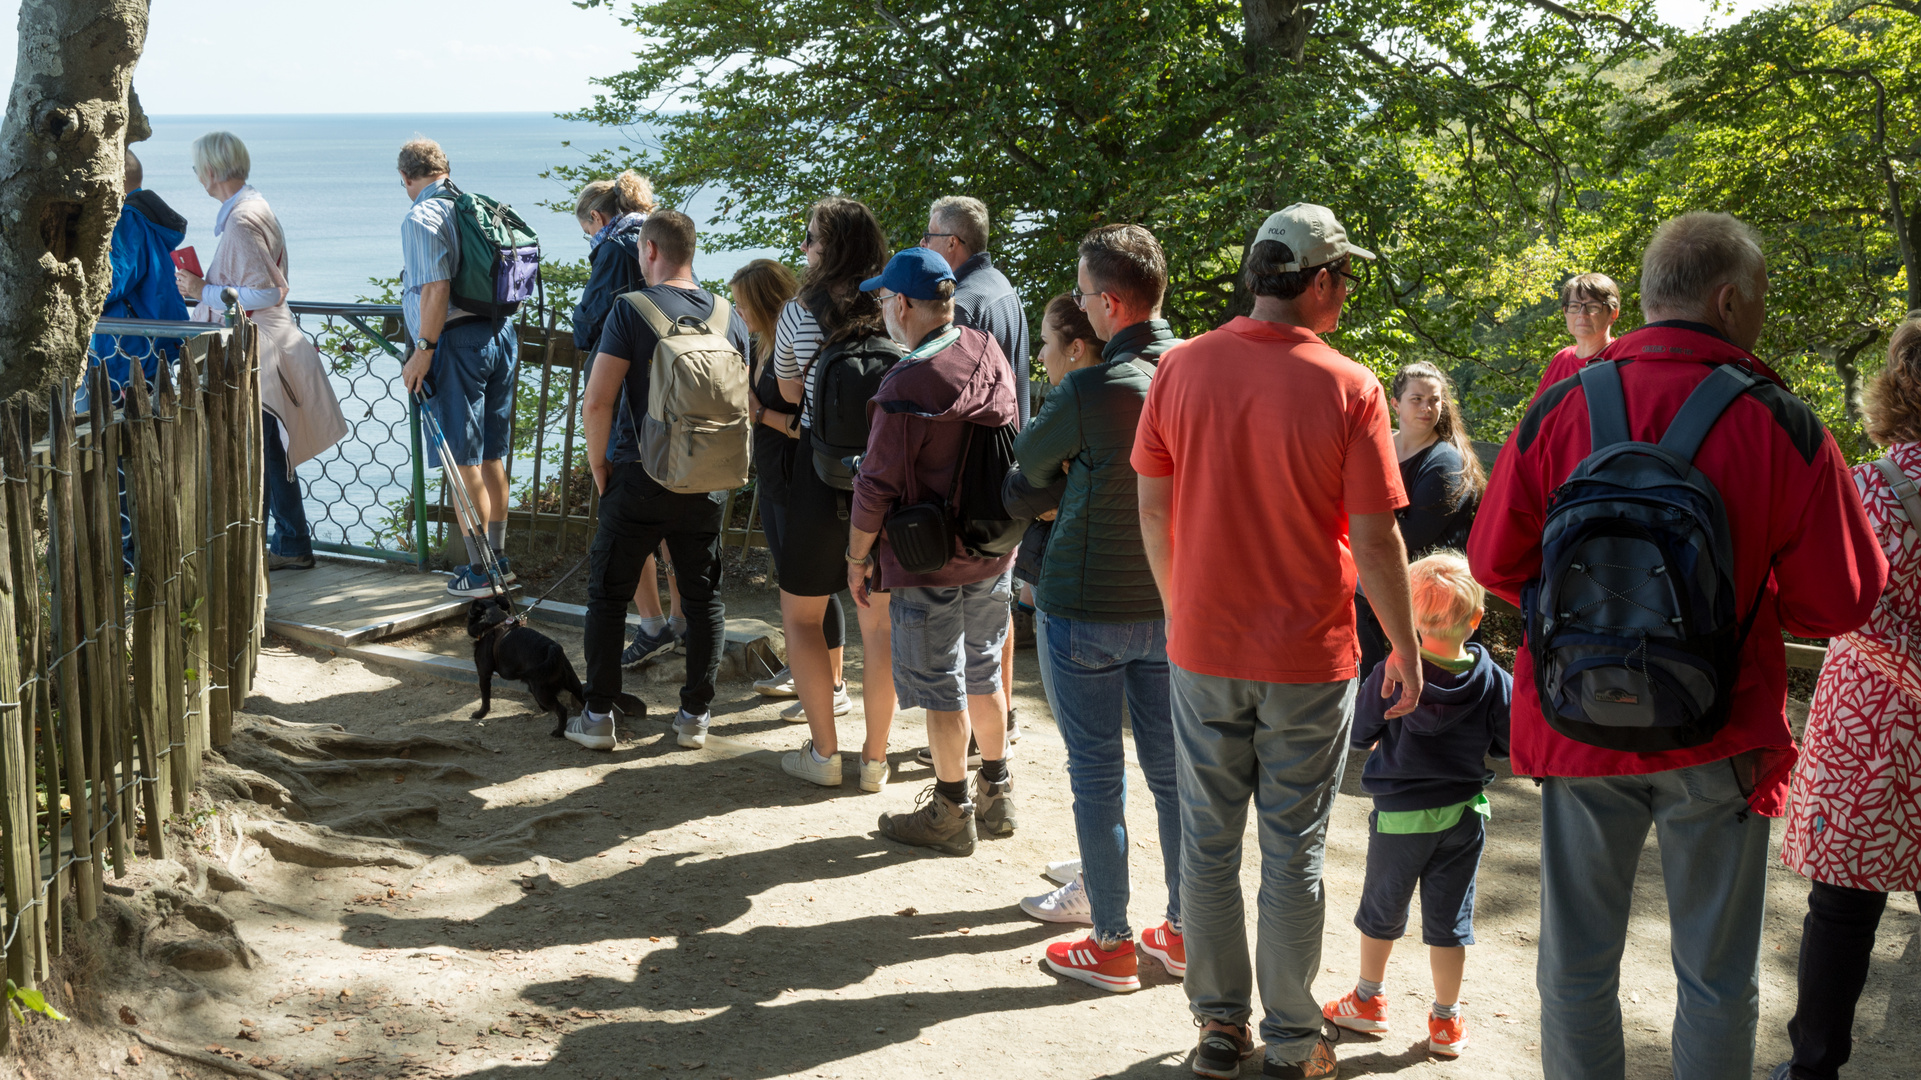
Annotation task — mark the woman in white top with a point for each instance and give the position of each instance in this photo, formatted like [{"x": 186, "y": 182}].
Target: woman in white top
[
  {"x": 301, "y": 417},
  {"x": 844, "y": 245}
]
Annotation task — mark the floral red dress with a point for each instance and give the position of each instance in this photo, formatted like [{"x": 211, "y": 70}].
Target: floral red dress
[{"x": 1854, "y": 814}]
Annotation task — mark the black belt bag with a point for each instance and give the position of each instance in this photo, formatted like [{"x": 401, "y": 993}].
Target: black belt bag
[{"x": 921, "y": 536}]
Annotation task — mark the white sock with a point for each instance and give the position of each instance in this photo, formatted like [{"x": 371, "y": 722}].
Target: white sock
[
  {"x": 1446, "y": 1012},
  {"x": 815, "y": 754},
  {"x": 600, "y": 717},
  {"x": 1367, "y": 991},
  {"x": 678, "y": 624}
]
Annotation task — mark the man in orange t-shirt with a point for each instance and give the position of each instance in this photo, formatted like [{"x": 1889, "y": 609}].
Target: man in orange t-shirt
[{"x": 1268, "y": 478}]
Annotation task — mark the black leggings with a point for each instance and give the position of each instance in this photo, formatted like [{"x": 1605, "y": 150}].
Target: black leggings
[{"x": 1837, "y": 939}]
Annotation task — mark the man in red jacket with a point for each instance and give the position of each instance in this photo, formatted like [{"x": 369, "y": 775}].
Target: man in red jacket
[{"x": 1801, "y": 544}]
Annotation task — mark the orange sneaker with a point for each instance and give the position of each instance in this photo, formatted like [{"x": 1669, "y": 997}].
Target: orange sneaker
[
  {"x": 1164, "y": 944},
  {"x": 1446, "y": 1037},
  {"x": 1115, "y": 971},
  {"x": 1350, "y": 1012}
]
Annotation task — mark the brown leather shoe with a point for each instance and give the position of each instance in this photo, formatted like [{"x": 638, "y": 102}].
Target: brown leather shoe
[
  {"x": 937, "y": 822},
  {"x": 994, "y": 805}
]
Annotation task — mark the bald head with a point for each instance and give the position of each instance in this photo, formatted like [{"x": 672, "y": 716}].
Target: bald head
[{"x": 135, "y": 179}]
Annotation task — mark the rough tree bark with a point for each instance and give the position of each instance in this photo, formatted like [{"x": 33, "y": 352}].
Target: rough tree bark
[{"x": 69, "y": 118}]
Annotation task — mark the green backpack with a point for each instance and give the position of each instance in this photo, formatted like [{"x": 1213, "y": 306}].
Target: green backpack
[{"x": 499, "y": 255}]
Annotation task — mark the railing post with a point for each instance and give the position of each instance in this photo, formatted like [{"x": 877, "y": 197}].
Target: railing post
[{"x": 420, "y": 484}]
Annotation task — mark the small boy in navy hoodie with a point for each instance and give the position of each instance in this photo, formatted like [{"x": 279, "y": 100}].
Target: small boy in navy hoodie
[{"x": 1427, "y": 774}]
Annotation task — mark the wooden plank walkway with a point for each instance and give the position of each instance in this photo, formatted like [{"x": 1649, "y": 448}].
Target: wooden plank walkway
[{"x": 349, "y": 602}]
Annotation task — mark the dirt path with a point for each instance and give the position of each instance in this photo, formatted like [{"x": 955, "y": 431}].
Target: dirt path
[{"x": 665, "y": 912}]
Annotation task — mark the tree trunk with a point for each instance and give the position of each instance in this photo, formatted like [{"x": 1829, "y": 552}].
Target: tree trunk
[
  {"x": 1276, "y": 31},
  {"x": 61, "y": 170}
]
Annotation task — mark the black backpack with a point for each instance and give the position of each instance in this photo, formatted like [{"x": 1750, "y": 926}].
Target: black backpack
[
  {"x": 846, "y": 374},
  {"x": 1633, "y": 624},
  {"x": 986, "y": 527}
]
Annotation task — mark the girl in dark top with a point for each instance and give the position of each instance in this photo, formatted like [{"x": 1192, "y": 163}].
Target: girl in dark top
[
  {"x": 610, "y": 213},
  {"x": 1441, "y": 474}
]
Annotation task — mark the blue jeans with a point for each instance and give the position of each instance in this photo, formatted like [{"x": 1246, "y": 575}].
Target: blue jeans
[
  {"x": 289, "y": 533},
  {"x": 1284, "y": 747},
  {"x": 1091, "y": 668},
  {"x": 1714, "y": 858}
]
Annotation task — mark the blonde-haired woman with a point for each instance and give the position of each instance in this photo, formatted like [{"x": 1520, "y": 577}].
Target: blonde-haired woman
[
  {"x": 1854, "y": 808},
  {"x": 301, "y": 417},
  {"x": 1440, "y": 472}
]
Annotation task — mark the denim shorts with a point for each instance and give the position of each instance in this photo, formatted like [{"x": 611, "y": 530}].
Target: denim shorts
[
  {"x": 947, "y": 641},
  {"x": 473, "y": 392},
  {"x": 1443, "y": 864}
]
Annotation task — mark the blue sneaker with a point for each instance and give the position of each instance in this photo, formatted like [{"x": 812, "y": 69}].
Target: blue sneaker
[
  {"x": 468, "y": 582},
  {"x": 646, "y": 646},
  {"x": 507, "y": 575}
]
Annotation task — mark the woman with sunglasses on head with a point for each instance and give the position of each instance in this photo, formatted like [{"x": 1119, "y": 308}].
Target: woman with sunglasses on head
[
  {"x": 1590, "y": 302},
  {"x": 844, "y": 245}
]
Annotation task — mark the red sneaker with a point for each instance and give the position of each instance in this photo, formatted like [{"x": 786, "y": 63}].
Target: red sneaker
[
  {"x": 1446, "y": 1037},
  {"x": 1350, "y": 1012},
  {"x": 1164, "y": 944},
  {"x": 1085, "y": 960}
]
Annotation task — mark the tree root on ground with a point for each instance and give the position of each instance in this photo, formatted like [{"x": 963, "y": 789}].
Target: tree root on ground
[
  {"x": 517, "y": 840},
  {"x": 318, "y": 742},
  {"x": 386, "y": 819},
  {"x": 210, "y": 1060},
  {"x": 317, "y": 845}
]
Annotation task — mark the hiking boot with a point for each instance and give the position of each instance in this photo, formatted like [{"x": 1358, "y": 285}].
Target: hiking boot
[
  {"x": 691, "y": 731},
  {"x": 1446, "y": 1037},
  {"x": 469, "y": 582},
  {"x": 1220, "y": 1052},
  {"x": 843, "y": 705},
  {"x": 925, "y": 755},
  {"x": 801, "y": 763},
  {"x": 590, "y": 731},
  {"x": 646, "y": 646},
  {"x": 874, "y": 775},
  {"x": 994, "y": 805},
  {"x": 1318, "y": 1065},
  {"x": 1354, "y": 1014},
  {"x": 289, "y": 562},
  {"x": 937, "y": 822},
  {"x": 1114, "y": 970},
  {"x": 1164, "y": 943},
  {"x": 1067, "y": 904},
  {"x": 1013, "y": 726},
  {"x": 779, "y": 684}
]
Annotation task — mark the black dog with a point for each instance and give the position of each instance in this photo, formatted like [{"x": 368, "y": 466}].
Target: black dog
[{"x": 516, "y": 651}]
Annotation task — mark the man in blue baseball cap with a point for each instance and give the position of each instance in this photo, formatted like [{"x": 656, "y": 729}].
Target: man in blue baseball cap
[{"x": 950, "y": 621}]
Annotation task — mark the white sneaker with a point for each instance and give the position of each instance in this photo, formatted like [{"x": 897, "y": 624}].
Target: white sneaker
[
  {"x": 1064, "y": 871},
  {"x": 779, "y": 684},
  {"x": 1067, "y": 904},
  {"x": 874, "y": 774},
  {"x": 590, "y": 731},
  {"x": 691, "y": 731},
  {"x": 843, "y": 705},
  {"x": 801, "y": 763}
]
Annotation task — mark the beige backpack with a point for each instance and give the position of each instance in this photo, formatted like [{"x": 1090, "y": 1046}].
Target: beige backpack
[{"x": 696, "y": 433}]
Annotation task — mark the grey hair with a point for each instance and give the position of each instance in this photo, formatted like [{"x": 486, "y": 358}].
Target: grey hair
[
  {"x": 1690, "y": 256},
  {"x": 965, "y": 217},
  {"x": 220, "y": 155}
]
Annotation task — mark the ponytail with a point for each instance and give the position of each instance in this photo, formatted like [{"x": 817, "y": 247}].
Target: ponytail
[{"x": 628, "y": 193}]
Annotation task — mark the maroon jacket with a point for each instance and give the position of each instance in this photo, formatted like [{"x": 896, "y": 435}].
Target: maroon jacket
[
  {"x": 915, "y": 437},
  {"x": 1797, "y": 526}
]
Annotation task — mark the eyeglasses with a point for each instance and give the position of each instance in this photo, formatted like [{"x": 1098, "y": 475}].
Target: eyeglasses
[
  {"x": 1080, "y": 298},
  {"x": 883, "y": 295},
  {"x": 926, "y": 236},
  {"x": 1576, "y": 307}
]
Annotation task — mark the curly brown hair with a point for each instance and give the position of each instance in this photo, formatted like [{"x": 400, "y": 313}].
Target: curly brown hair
[
  {"x": 852, "y": 248},
  {"x": 1892, "y": 404}
]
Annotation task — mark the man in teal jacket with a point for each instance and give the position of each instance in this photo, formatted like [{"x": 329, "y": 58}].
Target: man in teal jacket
[{"x": 1106, "y": 641}]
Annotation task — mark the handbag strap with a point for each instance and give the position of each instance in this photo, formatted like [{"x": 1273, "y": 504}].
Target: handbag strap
[{"x": 1904, "y": 489}]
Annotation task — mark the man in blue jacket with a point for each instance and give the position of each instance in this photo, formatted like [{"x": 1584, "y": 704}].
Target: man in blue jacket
[{"x": 143, "y": 283}]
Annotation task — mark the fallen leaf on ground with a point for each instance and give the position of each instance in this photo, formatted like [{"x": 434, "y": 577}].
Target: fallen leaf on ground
[
  {"x": 135, "y": 1055},
  {"x": 127, "y": 1017},
  {"x": 908, "y": 911}
]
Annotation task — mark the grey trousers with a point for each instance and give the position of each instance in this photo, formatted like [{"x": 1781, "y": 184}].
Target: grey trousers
[{"x": 1283, "y": 746}]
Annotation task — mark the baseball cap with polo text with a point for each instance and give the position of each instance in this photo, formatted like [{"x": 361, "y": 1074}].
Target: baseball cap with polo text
[{"x": 1312, "y": 233}]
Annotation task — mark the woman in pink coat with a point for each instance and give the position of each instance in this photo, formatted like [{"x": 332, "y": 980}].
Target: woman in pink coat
[{"x": 1854, "y": 816}]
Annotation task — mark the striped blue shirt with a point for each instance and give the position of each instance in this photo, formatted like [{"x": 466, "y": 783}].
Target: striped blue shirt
[{"x": 429, "y": 252}]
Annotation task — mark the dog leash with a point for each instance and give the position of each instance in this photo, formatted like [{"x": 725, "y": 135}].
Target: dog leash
[{"x": 521, "y": 616}]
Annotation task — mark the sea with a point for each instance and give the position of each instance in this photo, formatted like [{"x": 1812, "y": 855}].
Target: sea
[{"x": 332, "y": 182}]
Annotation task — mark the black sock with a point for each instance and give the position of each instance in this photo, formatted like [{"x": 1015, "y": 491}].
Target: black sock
[
  {"x": 954, "y": 791},
  {"x": 994, "y": 770}
]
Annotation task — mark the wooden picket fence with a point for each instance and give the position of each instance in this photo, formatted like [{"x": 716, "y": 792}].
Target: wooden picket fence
[{"x": 118, "y": 683}]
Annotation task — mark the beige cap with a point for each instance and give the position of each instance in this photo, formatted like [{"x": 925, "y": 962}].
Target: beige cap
[{"x": 1312, "y": 233}]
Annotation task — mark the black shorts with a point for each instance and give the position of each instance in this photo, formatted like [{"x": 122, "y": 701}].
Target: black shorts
[{"x": 813, "y": 548}]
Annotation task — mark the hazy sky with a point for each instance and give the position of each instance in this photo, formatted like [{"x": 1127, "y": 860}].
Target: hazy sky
[{"x": 353, "y": 56}]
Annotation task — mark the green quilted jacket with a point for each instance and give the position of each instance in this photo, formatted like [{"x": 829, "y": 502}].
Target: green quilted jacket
[{"x": 1095, "y": 567}]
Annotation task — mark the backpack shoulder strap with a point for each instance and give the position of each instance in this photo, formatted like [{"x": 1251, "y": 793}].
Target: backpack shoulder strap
[
  {"x": 1702, "y": 408},
  {"x": 1904, "y": 489},
  {"x": 1607, "y": 409},
  {"x": 657, "y": 319},
  {"x": 718, "y": 319}
]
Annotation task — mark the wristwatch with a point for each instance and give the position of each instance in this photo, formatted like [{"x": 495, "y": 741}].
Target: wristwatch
[{"x": 421, "y": 344}]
